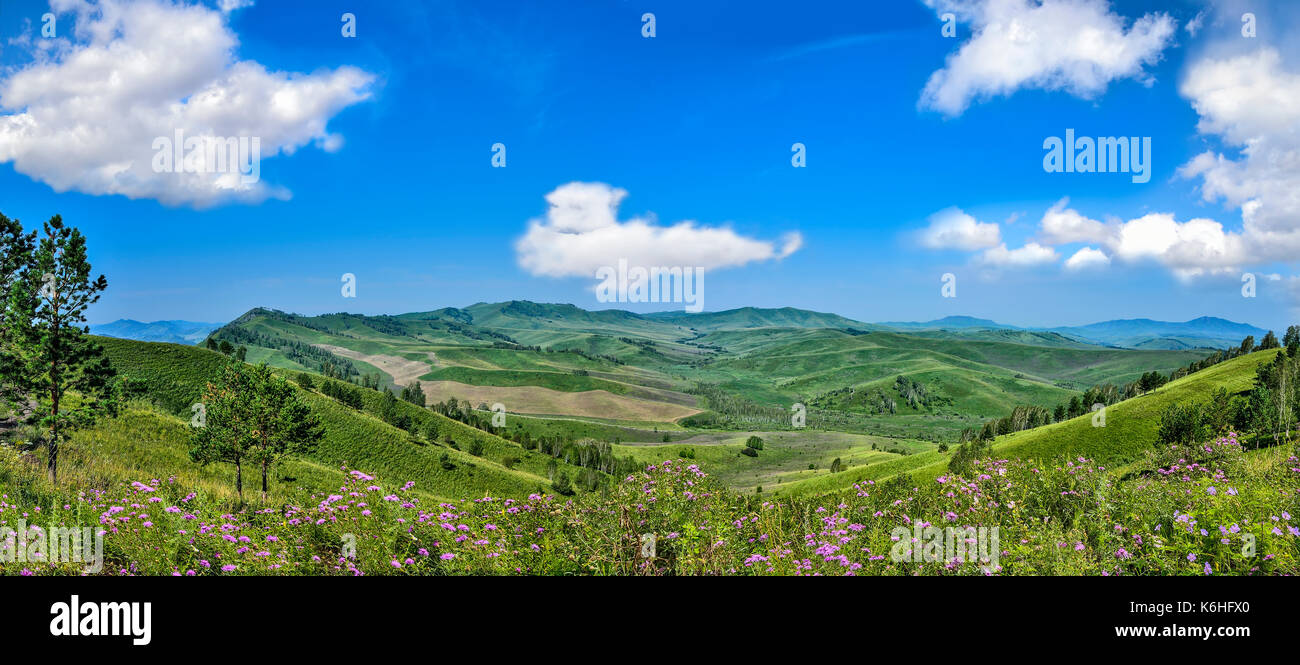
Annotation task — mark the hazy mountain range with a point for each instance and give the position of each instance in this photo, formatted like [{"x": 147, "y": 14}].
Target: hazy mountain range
[
  {"x": 1206, "y": 331},
  {"x": 178, "y": 332}
]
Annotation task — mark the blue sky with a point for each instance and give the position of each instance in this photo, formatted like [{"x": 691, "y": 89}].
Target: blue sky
[{"x": 696, "y": 123}]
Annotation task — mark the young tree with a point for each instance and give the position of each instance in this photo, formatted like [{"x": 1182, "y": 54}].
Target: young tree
[
  {"x": 1247, "y": 345},
  {"x": 67, "y": 375},
  {"x": 1292, "y": 336},
  {"x": 227, "y": 348},
  {"x": 226, "y": 433},
  {"x": 212, "y": 344},
  {"x": 1269, "y": 342},
  {"x": 281, "y": 423}
]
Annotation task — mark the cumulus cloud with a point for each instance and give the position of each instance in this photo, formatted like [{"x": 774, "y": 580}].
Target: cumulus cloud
[
  {"x": 953, "y": 229},
  {"x": 1251, "y": 103},
  {"x": 1189, "y": 248},
  {"x": 1088, "y": 258},
  {"x": 84, "y": 113},
  {"x": 1078, "y": 46},
  {"x": 232, "y": 5},
  {"x": 1031, "y": 255},
  {"x": 1061, "y": 225},
  {"x": 581, "y": 232}
]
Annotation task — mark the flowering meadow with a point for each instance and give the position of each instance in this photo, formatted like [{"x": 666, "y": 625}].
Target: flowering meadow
[{"x": 1209, "y": 509}]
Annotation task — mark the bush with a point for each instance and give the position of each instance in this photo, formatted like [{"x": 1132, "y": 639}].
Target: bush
[
  {"x": 755, "y": 443},
  {"x": 1183, "y": 424},
  {"x": 561, "y": 484},
  {"x": 749, "y": 451}
]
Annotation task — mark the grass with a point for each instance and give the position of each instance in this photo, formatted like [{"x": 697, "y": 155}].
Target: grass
[
  {"x": 1066, "y": 518},
  {"x": 552, "y": 380},
  {"x": 1130, "y": 432},
  {"x": 174, "y": 377},
  {"x": 785, "y": 458}
]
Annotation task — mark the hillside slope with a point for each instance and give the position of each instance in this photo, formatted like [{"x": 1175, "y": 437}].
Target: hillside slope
[
  {"x": 174, "y": 377},
  {"x": 1131, "y": 428}
]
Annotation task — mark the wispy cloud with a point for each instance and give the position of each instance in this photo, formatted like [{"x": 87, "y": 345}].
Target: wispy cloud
[{"x": 835, "y": 43}]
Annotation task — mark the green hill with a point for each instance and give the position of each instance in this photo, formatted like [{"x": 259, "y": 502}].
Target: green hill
[
  {"x": 1131, "y": 429},
  {"x": 613, "y": 365},
  {"x": 173, "y": 377}
]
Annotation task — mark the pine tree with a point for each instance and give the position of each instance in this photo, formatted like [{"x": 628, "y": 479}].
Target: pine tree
[
  {"x": 55, "y": 355},
  {"x": 1269, "y": 342},
  {"x": 15, "y": 256}
]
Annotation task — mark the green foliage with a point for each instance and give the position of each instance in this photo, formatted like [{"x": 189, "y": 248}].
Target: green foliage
[
  {"x": 1182, "y": 424},
  {"x": 58, "y": 372}
]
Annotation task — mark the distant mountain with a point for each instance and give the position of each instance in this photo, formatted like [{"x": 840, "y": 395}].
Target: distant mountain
[
  {"x": 1203, "y": 332},
  {"x": 757, "y": 317},
  {"x": 1148, "y": 334},
  {"x": 949, "y": 323},
  {"x": 177, "y": 332}
]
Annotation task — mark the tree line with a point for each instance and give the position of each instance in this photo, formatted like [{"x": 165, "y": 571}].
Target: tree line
[{"x": 1271, "y": 408}]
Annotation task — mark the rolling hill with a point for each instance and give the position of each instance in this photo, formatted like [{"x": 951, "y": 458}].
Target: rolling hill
[
  {"x": 174, "y": 376},
  {"x": 617, "y": 366},
  {"x": 1131, "y": 428}
]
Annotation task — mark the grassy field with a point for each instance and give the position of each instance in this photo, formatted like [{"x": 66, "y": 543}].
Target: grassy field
[
  {"x": 1129, "y": 433},
  {"x": 174, "y": 377},
  {"x": 1069, "y": 498},
  {"x": 560, "y": 360},
  {"x": 1045, "y": 519},
  {"x": 787, "y": 457}
]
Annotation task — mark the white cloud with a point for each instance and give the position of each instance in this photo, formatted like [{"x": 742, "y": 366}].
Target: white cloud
[
  {"x": 1252, "y": 103},
  {"x": 1189, "y": 248},
  {"x": 228, "y": 6},
  {"x": 581, "y": 232},
  {"x": 84, "y": 113},
  {"x": 1078, "y": 46},
  {"x": 1061, "y": 225},
  {"x": 1087, "y": 258},
  {"x": 1194, "y": 25},
  {"x": 1032, "y": 254},
  {"x": 953, "y": 229}
]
